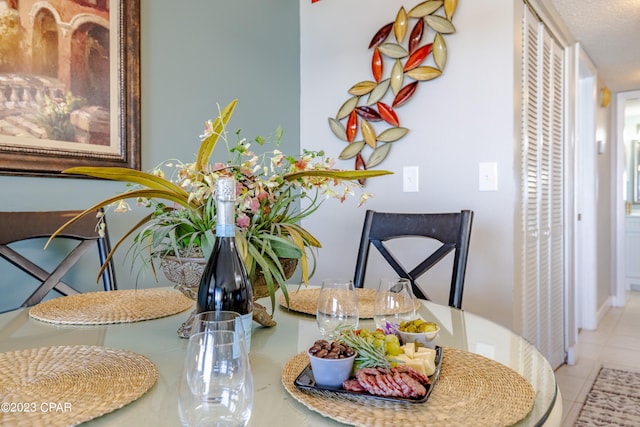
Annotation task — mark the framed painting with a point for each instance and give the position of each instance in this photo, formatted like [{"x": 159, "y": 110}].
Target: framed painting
[{"x": 69, "y": 85}]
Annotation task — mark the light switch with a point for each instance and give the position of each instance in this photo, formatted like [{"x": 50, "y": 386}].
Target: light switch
[
  {"x": 410, "y": 179},
  {"x": 488, "y": 176}
]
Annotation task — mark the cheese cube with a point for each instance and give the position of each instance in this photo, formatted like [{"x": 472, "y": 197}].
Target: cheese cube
[
  {"x": 409, "y": 349},
  {"x": 425, "y": 353},
  {"x": 402, "y": 358},
  {"x": 429, "y": 366},
  {"x": 418, "y": 365}
]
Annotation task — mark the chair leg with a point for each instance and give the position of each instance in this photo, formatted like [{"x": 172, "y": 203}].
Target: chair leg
[
  {"x": 53, "y": 280},
  {"x": 108, "y": 275}
]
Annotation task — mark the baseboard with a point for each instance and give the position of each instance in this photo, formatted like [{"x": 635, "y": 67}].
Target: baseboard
[
  {"x": 602, "y": 311},
  {"x": 571, "y": 355}
]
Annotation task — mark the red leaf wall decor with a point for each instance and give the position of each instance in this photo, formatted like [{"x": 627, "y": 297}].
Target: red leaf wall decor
[{"x": 411, "y": 60}]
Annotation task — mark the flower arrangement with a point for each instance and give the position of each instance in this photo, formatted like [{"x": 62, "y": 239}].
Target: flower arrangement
[{"x": 274, "y": 192}]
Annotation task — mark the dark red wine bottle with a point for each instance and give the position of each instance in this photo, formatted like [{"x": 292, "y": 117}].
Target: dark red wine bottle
[{"x": 225, "y": 283}]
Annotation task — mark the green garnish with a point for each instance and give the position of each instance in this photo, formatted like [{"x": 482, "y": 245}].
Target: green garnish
[{"x": 369, "y": 355}]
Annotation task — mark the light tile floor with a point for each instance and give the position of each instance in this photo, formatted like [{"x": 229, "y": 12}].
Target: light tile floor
[{"x": 615, "y": 344}]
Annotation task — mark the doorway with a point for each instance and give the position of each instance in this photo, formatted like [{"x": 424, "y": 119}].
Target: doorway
[{"x": 627, "y": 130}]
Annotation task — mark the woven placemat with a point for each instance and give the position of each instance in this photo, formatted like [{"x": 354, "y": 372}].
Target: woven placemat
[
  {"x": 471, "y": 391},
  {"x": 306, "y": 301},
  {"x": 68, "y": 385},
  {"x": 122, "y": 306}
]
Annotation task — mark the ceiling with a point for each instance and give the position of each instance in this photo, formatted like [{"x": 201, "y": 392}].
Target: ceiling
[{"x": 609, "y": 32}]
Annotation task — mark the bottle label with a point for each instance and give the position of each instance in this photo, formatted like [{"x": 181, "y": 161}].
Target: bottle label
[
  {"x": 247, "y": 323},
  {"x": 225, "y": 230}
]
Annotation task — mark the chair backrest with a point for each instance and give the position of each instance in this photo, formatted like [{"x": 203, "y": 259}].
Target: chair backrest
[
  {"x": 19, "y": 226},
  {"x": 452, "y": 230}
]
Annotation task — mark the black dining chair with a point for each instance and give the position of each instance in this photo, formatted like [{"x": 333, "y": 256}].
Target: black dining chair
[
  {"x": 452, "y": 230},
  {"x": 20, "y": 226}
]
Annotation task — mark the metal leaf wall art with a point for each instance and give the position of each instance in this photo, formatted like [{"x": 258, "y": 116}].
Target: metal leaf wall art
[{"x": 405, "y": 53}]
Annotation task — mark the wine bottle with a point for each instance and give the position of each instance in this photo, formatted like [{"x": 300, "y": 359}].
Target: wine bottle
[{"x": 225, "y": 283}]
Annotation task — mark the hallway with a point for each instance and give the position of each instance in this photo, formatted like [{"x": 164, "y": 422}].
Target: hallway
[{"x": 615, "y": 344}]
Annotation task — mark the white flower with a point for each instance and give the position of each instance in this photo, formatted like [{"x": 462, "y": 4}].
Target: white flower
[{"x": 122, "y": 207}]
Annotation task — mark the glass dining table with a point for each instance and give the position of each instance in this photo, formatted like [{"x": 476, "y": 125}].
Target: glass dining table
[{"x": 271, "y": 348}]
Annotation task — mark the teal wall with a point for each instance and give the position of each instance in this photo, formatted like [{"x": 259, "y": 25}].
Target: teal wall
[{"x": 193, "y": 55}]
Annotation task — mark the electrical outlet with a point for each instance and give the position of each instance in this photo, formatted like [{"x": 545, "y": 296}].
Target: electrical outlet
[
  {"x": 410, "y": 179},
  {"x": 488, "y": 176}
]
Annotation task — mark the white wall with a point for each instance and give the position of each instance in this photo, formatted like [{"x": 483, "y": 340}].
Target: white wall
[{"x": 456, "y": 121}]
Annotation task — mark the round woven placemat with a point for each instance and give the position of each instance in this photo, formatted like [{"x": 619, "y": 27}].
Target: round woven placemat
[
  {"x": 471, "y": 391},
  {"x": 123, "y": 306},
  {"x": 306, "y": 301},
  {"x": 68, "y": 385}
]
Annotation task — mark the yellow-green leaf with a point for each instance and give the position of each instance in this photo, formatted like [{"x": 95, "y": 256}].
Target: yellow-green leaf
[
  {"x": 120, "y": 241},
  {"x": 393, "y": 50},
  {"x": 209, "y": 143},
  {"x": 397, "y": 76},
  {"x": 439, "y": 51},
  {"x": 379, "y": 92},
  {"x": 425, "y": 8},
  {"x": 378, "y": 155},
  {"x": 299, "y": 242},
  {"x": 349, "y": 175},
  {"x": 351, "y": 150},
  {"x": 144, "y": 193},
  {"x": 338, "y": 129},
  {"x": 347, "y": 107},
  {"x": 308, "y": 237},
  {"x": 440, "y": 24},
  {"x": 128, "y": 175},
  {"x": 362, "y": 88},
  {"x": 392, "y": 134},
  {"x": 424, "y": 73}
]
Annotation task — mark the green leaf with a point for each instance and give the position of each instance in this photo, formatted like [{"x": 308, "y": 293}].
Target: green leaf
[
  {"x": 347, "y": 107},
  {"x": 108, "y": 201},
  {"x": 439, "y": 51},
  {"x": 308, "y": 237},
  {"x": 392, "y": 134},
  {"x": 425, "y": 8},
  {"x": 282, "y": 247},
  {"x": 349, "y": 175},
  {"x": 351, "y": 150},
  {"x": 338, "y": 129},
  {"x": 206, "y": 244},
  {"x": 393, "y": 50},
  {"x": 440, "y": 24},
  {"x": 129, "y": 175},
  {"x": 378, "y": 155},
  {"x": 378, "y": 93},
  {"x": 207, "y": 146}
]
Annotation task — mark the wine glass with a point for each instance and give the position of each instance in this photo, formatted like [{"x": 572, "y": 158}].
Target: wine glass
[
  {"x": 216, "y": 387},
  {"x": 220, "y": 320},
  {"x": 337, "y": 307},
  {"x": 394, "y": 302}
]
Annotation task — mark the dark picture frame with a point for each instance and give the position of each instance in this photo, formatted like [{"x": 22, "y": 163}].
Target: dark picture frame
[{"x": 104, "y": 136}]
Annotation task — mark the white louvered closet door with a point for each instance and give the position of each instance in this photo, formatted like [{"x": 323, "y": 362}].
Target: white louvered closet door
[{"x": 542, "y": 305}]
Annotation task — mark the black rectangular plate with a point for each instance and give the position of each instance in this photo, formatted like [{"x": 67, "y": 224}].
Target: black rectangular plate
[{"x": 305, "y": 381}]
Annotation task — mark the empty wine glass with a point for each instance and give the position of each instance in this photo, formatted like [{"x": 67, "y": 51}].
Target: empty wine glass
[
  {"x": 337, "y": 307},
  {"x": 220, "y": 320},
  {"x": 394, "y": 302},
  {"x": 216, "y": 387}
]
